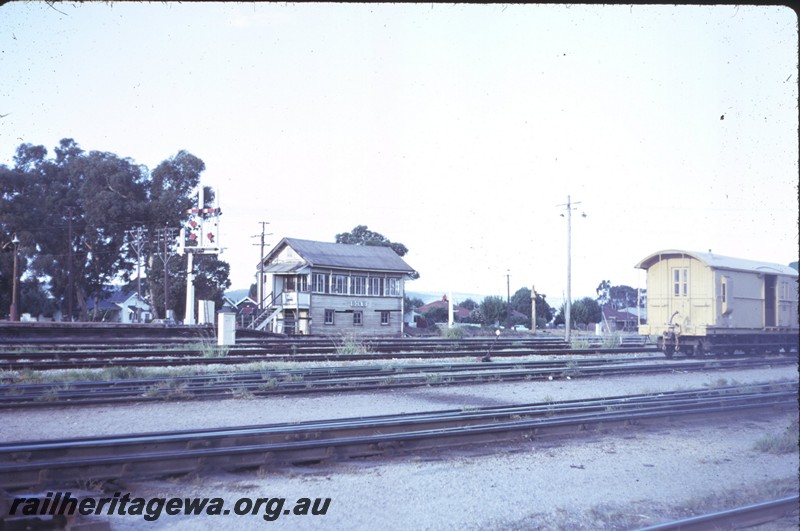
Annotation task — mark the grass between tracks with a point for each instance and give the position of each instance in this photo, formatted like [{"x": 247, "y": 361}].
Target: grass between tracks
[
  {"x": 648, "y": 512},
  {"x": 130, "y": 373},
  {"x": 781, "y": 443}
]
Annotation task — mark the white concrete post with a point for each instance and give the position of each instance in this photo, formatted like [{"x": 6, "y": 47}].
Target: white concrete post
[
  {"x": 189, "y": 319},
  {"x": 450, "y": 319},
  {"x": 226, "y": 327}
]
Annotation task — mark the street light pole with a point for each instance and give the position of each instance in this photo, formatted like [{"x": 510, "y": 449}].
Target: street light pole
[{"x": 568, "y": 316}]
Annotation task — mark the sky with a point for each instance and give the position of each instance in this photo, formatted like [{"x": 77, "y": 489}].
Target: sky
[{"x": 458, "y": 130}]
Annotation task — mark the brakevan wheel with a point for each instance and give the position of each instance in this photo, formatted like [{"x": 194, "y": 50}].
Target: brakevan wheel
[
  {"x": 698, "y": 350},
  {"x": 667, "y": 346}
]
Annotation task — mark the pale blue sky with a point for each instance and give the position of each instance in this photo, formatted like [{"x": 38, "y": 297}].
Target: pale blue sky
[{"x": 454, "y": 129}]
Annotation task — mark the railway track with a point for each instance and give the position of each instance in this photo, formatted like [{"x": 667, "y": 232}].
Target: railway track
[
  {"x": 738, "y": 518},
  {"x": 88, "y": 356},
  {"x": 299, "y": 342},
  {"x": 150, "y": 359},
  {"x": 344, "y": 378},
  {"x": 59, "y": 462}
]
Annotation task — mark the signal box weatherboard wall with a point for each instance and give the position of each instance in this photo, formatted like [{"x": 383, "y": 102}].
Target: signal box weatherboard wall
[{"x": 324, "y": 288}]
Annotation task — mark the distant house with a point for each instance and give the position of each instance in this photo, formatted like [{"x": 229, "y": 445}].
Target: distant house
[
  {"x": 411, "y": 317},
  {"x": 323, "y": 288},
  {"x": 120, "y": 306},
  {"x": 246, "y": 310},
  {"x": 624, "y": 320},
  {"x": 459, "y": 313}
]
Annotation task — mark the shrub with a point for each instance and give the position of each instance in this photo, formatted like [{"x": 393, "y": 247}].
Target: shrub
[
  {"x": 452, "y": 333},
  {"x": 351, "y": 344},
  {"x": 782, "y": 443}
]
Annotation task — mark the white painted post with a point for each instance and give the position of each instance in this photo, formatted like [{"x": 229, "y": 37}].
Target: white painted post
[
  {"x": 226, "y": 326},
  {"x": 450, "y": 319},
  {"x": 189, "y": 319}
]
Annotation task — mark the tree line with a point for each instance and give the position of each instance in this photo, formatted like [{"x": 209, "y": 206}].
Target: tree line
[
  {"x": 84, "y": 220},
  {"x": 496, "y": 310}
]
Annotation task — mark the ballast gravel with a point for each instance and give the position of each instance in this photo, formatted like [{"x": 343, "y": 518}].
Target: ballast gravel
[{"x": 615, "y": 480}]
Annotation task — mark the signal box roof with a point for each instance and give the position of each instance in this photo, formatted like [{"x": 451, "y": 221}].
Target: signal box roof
[{"x": 344, "y": 256}]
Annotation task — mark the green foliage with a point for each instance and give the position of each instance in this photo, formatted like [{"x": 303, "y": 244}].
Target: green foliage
[
  {"x": 521, "y": 302},
  {"x": 782, "y": 443},
  {"x": 351, "y": 344},
  {"x": 85, "y": 204},
  {"x": 409, "y": 303},
  {"x": 361, "y": 235},
  {"x": 34, "y": 298},
  {"x": 438, "y": 314},
  {"x": 452, "y": 333},
  {"x": 493, "y": 310},
  {"x": 612, "y": 341},
  {"x": 210, "y": 279},
  {"x": 579, "y": 343},
  {"x": 584, "y": 311},
  {"x": 469, "y": 304},
  {"x": 618, "y": 297}
]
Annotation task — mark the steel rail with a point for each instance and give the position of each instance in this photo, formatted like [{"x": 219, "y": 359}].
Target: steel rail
[
  {"x": 158, "y": 359},
  {"x": 300, "y": 381},
  {"x": 304, "y": 346},
  {"x": 313, "y": 345},
  {"x": 140, "y": 349},
  {"x": 746, "y": 516},
  {"x": 25, "y": 464}
]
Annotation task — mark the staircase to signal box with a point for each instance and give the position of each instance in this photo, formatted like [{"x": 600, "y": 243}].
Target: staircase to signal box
[{"x": 267, "y": 315}]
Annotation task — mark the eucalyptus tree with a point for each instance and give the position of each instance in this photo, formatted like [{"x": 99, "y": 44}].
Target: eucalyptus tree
[
  {"x": 361, "y": 235},
  {"x": 494, "y": 310},
  {"x": 521, "y": 302},
  {"x": 74, "y": 215}
]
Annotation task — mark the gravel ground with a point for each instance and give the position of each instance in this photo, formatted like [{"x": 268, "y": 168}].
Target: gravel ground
[
  {"x": 36, "y": 424},
  {"x": 598, "y": 480}
]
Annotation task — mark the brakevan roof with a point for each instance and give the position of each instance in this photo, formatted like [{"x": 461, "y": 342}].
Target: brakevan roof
[
  {"x": 344, "y": 256},
  {"x": 720, "y": 262}
]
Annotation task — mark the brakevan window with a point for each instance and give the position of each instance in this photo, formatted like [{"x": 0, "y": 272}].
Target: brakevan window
[
  {"x": 320, "y": 283},
  {"x": 784, "y": 291},
  {"x": 358, "y": 286},
  {"x": 329, "y": 317},
  {"x": 358, "y": 318},
  {"x": 680, "y": 281},
  {"x": 385, "y": 317}
]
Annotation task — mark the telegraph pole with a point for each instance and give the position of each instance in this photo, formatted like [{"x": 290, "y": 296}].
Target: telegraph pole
[
  {"x": 137, "y": 245},
  {"x": 69, "y": 262},
  {"x": 165, "y": 255},
  {"x": 508, "y": 298},
  {"x": 260, "y": 279}
]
